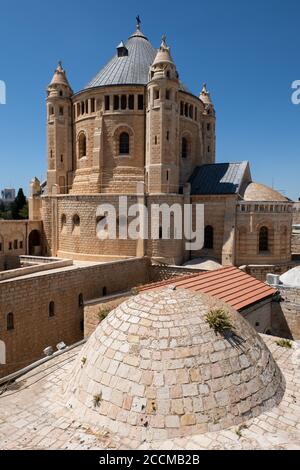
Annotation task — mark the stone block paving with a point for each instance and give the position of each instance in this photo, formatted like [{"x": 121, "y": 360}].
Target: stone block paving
[{"x": 33, "y": 415}]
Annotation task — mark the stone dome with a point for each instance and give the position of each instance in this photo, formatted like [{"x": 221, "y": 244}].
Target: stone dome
[
  {"x": 260, "y": 192},
  {"x": 154, "y": 370}
]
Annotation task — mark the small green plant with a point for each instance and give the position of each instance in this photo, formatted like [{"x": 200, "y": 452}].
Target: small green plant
[
  {"x": 284, "y": 343},
  {"x": 219, "y": 320},
  {"x": 239, "y": 430},
  {"x": 134, "y": 291},
  {"x": 97, "y": 400},
  {"x": 83, "y": 361},
  {"x": 102, "y": 313}
]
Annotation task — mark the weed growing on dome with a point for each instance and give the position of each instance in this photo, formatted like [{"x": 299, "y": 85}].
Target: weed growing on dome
[
  {"x": 102, "y": 313},
  {"x": 284, "y": 343},
  {"x": 97, "y": 400},
  {"x": 219, "y": 321}
]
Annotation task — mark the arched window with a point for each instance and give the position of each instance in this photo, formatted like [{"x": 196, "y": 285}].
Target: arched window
[
  {"x": 10, "y": 322},
  {"x": 124, "y": 143},
  {"x": 51, "y": 309},
  {"x": 209, "y": 237},
  {"x": 63, "y": 222},
  {"x": 76, "y": 225},
  {"x": 80, "y": 301},
  {"x": 263, "y": 239},
  {"x": 82, "y": 145},
  {"x": 104, "y": 292},
  {"x": 186, "y": 110},
  {"x": 184, "y": 148}
]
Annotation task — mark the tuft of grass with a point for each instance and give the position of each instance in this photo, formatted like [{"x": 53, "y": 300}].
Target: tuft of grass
[
  {"x": 219, "y": 320},
  {"x": 239, "y": 430},
  {"x": 83, "y": 361},
  {"x": 97, "y": 400},
  {"x": 284, "y": 343},
  {"x": 102, "y": 313},
  {"x": 134, "y": 291}
]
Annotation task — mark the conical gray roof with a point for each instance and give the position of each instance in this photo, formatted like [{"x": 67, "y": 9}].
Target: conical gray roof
[
  {"x": 129, "y": 70},
  {"x": 132, "y": 69}
]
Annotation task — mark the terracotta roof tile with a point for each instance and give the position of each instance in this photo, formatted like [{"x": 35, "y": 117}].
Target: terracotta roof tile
[{"x": 229, "y": 284}]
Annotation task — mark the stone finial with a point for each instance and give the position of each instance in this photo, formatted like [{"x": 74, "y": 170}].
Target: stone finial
[{"x": 205, "y": 95}]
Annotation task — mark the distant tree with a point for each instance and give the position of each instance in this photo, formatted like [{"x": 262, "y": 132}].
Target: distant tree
[{"x": 19, "y": 209}]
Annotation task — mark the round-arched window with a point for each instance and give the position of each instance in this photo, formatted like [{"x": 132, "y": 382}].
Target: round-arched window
[
  {"x": 263, "y": 239},
  {"x": 124, "y": 143}
]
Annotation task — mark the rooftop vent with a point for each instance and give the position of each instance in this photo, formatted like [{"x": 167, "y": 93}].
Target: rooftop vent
[{"x": 122, "y": 50}]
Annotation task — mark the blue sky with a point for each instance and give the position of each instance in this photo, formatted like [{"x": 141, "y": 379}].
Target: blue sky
[{"x": 247, "y": 52}]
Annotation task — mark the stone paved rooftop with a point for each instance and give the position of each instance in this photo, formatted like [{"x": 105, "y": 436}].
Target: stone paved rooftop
[
  {"x": 35, "y": 411},
  {"x": 33, "y": 415}
]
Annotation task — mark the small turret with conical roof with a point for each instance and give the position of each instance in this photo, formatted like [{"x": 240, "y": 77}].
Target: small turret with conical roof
[
  {"x": 59, "y": 83},
  {"x": 163, "y": 64},
  {"x": 205, "y": 95},
  {"x": 162, "y": 165},
  {"x": 59, "y": 124},
  {"x": 208, "y": 128}
]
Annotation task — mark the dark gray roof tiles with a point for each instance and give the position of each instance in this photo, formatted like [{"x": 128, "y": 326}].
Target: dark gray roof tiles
[
  {"x": 218, "y": 178},
  {"x": 132, "y": 69}
]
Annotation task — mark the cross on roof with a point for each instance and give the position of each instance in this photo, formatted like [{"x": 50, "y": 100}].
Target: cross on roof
[{"x": 138, "y": 22}]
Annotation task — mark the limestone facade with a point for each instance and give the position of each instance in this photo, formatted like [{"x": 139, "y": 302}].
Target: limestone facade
[
  {"x": 53, "y": 310},
  {"x": 137, "y": 131},
  {"x": 16, "y": 239}
]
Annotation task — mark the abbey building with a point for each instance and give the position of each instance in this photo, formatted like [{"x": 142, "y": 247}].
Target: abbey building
[{"x": 136, "y": 125}]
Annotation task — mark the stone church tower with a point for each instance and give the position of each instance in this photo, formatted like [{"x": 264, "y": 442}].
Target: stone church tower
[
  {"x": 59, "y": 127},
  {"x": 162, "y": 124},
  {"x": 136, "y": 130}
]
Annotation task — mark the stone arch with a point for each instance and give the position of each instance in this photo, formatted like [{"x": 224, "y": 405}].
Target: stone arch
[
  {"x": 63, "y": 224},
  {"x": 82, "y": 144},
  {"x": 119, "y": 133},
  {"x": 264, "y": 238},
  {"x": 76, "y": 224},
  {"x": 34, "y": 243}
]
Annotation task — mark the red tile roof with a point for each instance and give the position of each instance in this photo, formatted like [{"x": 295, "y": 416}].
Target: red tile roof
[{"x": 229, "y": 284}]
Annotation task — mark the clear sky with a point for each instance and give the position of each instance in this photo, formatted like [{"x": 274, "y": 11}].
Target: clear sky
[{"x": 248, "y": 52}]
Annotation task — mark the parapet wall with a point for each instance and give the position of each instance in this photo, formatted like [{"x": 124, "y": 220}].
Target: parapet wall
[
  {"x": 28, "y": 298},
  {"x": 286, "y": 314}
]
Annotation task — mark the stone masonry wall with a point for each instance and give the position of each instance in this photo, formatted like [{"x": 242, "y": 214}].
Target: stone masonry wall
[
  {"x": 34, "y": 329},
  {"x": 286, "y": 314}
]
